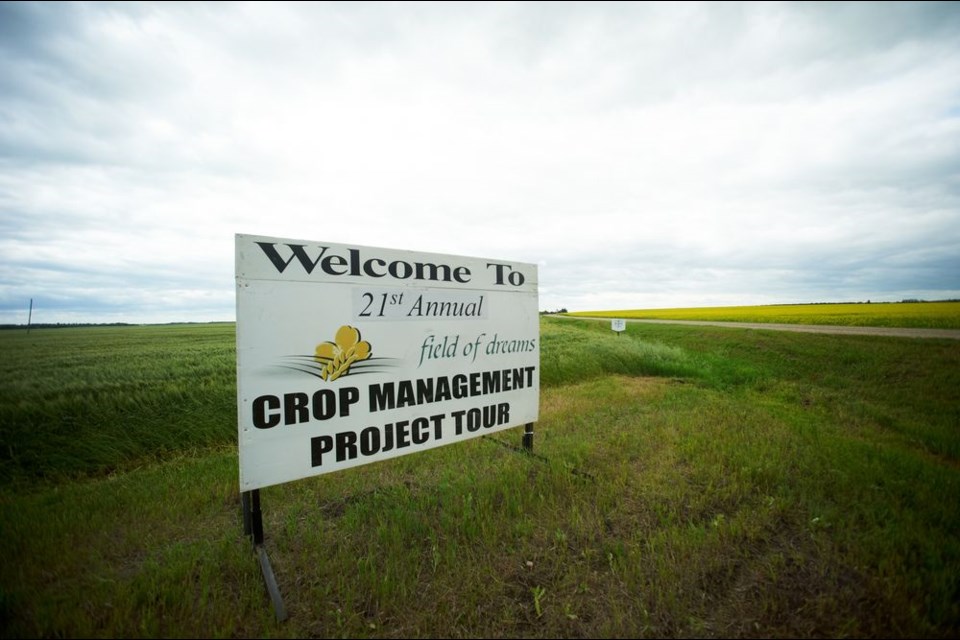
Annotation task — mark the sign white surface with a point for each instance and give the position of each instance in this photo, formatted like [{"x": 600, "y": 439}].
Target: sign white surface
[
  {"x": 348, "y": 354},
  {"x": 618, "y": 324}
]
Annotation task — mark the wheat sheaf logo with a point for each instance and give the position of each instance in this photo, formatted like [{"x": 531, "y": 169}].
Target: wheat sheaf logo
[{"x": 338, "y": 356}]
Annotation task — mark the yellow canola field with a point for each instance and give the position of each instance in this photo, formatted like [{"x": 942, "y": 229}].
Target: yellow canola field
[{"x": 934, "y": 315}]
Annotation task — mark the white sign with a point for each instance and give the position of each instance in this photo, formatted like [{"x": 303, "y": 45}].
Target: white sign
[
  {"x": 349, "y": 354},
  {"x": 618, "y": 324}
]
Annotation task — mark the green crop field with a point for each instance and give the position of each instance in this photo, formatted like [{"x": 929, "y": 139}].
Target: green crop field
[
  {"x": 687, "y": 481},
  {"x": 928, "y": 315}
]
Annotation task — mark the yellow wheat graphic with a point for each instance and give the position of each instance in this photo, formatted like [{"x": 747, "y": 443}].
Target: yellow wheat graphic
[{"x": 339, "y": 355}]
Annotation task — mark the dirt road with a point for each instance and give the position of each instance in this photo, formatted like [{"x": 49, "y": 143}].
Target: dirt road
[{"x": 900, "y": 332}]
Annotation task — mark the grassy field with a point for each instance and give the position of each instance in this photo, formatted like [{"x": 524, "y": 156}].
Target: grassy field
[
  {"x": 689, "y": 481},
  {"x": 929, "y": 315},
  {"x": 88, "y": 400}
]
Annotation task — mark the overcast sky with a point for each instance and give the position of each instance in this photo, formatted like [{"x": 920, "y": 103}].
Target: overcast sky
[{"x": 643, "y": 155}]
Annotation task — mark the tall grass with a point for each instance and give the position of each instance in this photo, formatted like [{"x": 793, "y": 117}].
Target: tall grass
[
  {"x": 692, "y": 482},
  {"x": 75, "y": 401},
  {"x": 580, "y": 350}
]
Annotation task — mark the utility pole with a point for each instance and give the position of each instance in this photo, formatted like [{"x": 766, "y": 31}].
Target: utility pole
[{"x": 30, "y": 316}]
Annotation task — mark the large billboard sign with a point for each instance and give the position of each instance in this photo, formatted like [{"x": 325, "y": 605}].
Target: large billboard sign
[{"x": 349, "y": 354}]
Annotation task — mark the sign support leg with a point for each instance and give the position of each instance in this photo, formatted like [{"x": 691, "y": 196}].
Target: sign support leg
[
  {"x": 528, "y": 437},
  {"x": 256, "y": 517},
  {"x": 271, "y": 582},
  {"x": 253, "y": 527},
  {"x": 245, "y": 512},
  {"x": 252, "y": 517}
]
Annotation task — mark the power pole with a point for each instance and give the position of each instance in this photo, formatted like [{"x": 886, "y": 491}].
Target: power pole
[{"x": 30, "y": 316}]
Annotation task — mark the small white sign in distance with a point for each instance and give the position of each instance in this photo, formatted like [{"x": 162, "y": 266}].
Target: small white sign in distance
[{"x": 618, "y": 325}]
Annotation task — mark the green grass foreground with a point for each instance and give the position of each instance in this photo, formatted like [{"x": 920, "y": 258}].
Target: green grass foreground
[
  {"x": 920, "y": 315},
  {"x": 696, "y": 481}
]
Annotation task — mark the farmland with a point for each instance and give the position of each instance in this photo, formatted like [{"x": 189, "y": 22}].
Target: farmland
[
  {"x": 688, "y": 481},
  {"x": 923, "y": 315}
]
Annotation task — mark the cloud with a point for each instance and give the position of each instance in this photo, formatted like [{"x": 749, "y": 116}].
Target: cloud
[{"x": 645, "y": 154}]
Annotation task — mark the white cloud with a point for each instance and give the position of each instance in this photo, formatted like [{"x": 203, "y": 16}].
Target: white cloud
[{"x": 645, "y": 154}]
